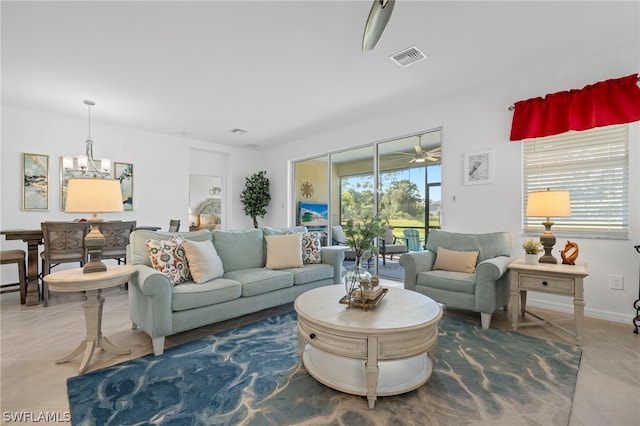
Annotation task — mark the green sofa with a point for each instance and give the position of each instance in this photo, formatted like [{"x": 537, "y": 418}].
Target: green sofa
[
  {"x": 161, "y": 309},
  {"x": 483, "y": 290}
]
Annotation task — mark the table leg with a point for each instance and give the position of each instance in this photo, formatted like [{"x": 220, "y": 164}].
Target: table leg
[
  {"x": 33, "y": 293},
  {"x": 515, "y": 300},
  {"x": 578, "y": 309},
  {"x": 372, "y": 371},
  {"x": 301, "y": 344},
  {"x": 93, "y": 322},
  {"x": 523, "y": 302}
]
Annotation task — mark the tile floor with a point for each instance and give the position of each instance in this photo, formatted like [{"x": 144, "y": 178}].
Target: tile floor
[{"x": 31, "y": 338}]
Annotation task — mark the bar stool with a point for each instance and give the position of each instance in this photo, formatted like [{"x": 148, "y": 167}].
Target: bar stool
[{"x": 17, "y": 257}]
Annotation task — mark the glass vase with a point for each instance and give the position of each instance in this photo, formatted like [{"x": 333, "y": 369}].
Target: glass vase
[{"x": 356, "y": 279}]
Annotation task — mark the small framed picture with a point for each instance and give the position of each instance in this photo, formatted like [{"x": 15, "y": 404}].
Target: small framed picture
[
  {"x": 478, "y": 167},
  {"x": 35, "y": 182},
  {"x": 124, "y": 173}
]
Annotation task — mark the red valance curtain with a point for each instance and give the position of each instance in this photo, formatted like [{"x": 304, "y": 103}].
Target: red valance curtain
[{"x": 615, "y": 101}]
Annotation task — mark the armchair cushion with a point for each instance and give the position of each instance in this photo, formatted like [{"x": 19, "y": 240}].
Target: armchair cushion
[
  {"x": 338, "y": 236},
  {"x": 456, "y": 261}
]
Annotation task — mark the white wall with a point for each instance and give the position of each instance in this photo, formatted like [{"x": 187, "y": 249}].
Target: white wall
[
  {"x": 162, "y": 165},
  {"x": 480, "y": 119}
]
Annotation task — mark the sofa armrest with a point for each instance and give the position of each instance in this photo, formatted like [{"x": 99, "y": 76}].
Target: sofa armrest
[
  {"x": 334, "y": 256},
  {"x": 415, "y": 262},
  {"x": 152, "y": 282},
  {"x": 150, "y": 295}
]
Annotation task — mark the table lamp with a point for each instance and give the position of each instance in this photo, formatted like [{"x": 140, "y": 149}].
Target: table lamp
[
  {"x": 93, "y": 195},
  {"x": 547, "y": 204}
]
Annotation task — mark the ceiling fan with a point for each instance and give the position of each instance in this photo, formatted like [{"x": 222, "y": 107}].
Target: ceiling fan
[
  {"x": 376, "y": 22},
  {"x": 422, "y": 155}
]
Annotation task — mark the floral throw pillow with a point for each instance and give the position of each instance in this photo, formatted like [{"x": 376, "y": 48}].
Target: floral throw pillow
[
  {"x": 311, "y": 243},
  {"x": 168, "y": 257}
]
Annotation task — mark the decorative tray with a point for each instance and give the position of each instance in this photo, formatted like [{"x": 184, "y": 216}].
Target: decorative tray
[{"x": 365, "y": 303}]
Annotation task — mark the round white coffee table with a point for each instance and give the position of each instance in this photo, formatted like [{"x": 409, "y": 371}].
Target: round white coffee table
[
  {"x": 380, "y": 351},
  {"x": 71, "y": 280}
]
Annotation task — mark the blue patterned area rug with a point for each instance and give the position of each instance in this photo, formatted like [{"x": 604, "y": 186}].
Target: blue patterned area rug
[{"x": 251, "y": 376}]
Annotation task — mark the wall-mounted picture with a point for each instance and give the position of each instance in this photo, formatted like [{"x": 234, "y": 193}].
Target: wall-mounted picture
[
  {"x": 313, "y": 214},
  {"x": 66, "y": 174},
  {"x": 124, "y": 173},
  {"x": 35, "y": 182},
  {"x": 478, "y": 167}
]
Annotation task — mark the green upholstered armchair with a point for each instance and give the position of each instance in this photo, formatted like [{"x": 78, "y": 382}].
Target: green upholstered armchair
[{"x": 483, "y": 289}]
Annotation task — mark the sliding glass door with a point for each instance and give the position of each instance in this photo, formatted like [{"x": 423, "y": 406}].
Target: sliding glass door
[{"x": 399, "y": 178}]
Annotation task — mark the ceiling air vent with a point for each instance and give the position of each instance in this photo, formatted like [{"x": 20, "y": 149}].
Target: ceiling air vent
[{"x": 408, "y": 56}]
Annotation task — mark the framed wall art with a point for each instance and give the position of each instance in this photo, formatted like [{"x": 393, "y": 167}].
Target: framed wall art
[
  {"x": 35, "y": 182},
  {"x": 124, "y": 173},
  {"x": 478, "y": 167}
]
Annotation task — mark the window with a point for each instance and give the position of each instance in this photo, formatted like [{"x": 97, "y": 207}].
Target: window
[{"x": 593, "y": 165}]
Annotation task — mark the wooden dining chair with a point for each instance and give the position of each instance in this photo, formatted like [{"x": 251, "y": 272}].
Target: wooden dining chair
[
  {"x": 116, "y": 238},
  {"x": 17, "y": 257},
  {"x": 63, "y": 243},
  {"x": 174, "y": 225}
]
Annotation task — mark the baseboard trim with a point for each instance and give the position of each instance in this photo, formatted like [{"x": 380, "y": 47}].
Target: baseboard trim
[{"x": 588, "y": 312}]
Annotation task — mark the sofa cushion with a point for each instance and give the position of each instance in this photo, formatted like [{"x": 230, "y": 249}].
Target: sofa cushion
[
  {"x": 456, "y": 261},
  {"x": 137, "y": 253},
  {"x": 260, "y": 280},
  {"x": 284, "y": 251},
  {"x": 190, "y": 295},
  {"x": 310, "y": 273},
  {"x": 459, "y": 282},
  {"x": 168, "y": 256},
  {"x": 240, "y": 249},
  {"x": 311, "y": 243},
  {"x": 204, "y": 262}
]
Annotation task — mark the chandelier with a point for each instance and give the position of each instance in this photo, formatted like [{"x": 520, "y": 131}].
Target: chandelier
[{"x": 85, "y": 165}]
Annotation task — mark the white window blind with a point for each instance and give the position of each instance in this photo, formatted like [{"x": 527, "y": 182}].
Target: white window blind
[{"x": 593, "y": 165}]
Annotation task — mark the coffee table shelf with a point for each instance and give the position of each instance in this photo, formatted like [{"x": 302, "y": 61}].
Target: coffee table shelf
[{"x": 382, "y": 351}]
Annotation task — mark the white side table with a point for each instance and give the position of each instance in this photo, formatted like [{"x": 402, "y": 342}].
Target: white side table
[
  {"x": 559, "y": 279},
  {"x": 72, "y": 280}
]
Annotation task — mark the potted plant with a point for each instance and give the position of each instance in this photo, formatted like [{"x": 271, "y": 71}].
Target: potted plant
[
  {"x": 255, "y": 196},
  {"x": 531, "y": 248},
  {"x": 360, "y": 237}
]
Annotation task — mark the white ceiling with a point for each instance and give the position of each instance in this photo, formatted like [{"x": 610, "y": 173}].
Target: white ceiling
[{"x": 281, "y": 70}]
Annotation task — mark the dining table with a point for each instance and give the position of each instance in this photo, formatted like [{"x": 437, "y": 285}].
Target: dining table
[{"x": 34, "y": 238}]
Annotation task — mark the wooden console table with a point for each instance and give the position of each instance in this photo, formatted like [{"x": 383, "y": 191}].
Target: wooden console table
[{"x": 559, "y": 279}]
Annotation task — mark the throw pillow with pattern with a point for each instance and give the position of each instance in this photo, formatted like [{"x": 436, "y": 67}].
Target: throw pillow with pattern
[
  {"x": 311, "y": 243},
  {"x": 168, "y": 257}
]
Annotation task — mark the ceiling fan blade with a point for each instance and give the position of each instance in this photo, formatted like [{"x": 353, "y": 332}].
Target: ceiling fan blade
[
  {"x": 418, "y": 149},
  {"x": 376, "y": 23}
]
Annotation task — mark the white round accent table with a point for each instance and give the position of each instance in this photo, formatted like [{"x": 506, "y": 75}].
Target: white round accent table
[
  {"x": 382, "y": 351},
  {"x": 70, "y": 280}
]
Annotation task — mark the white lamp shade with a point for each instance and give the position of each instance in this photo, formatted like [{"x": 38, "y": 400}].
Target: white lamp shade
[
  {"x": 549, "y": 203},
  {"x": 92, "y": 195}
]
